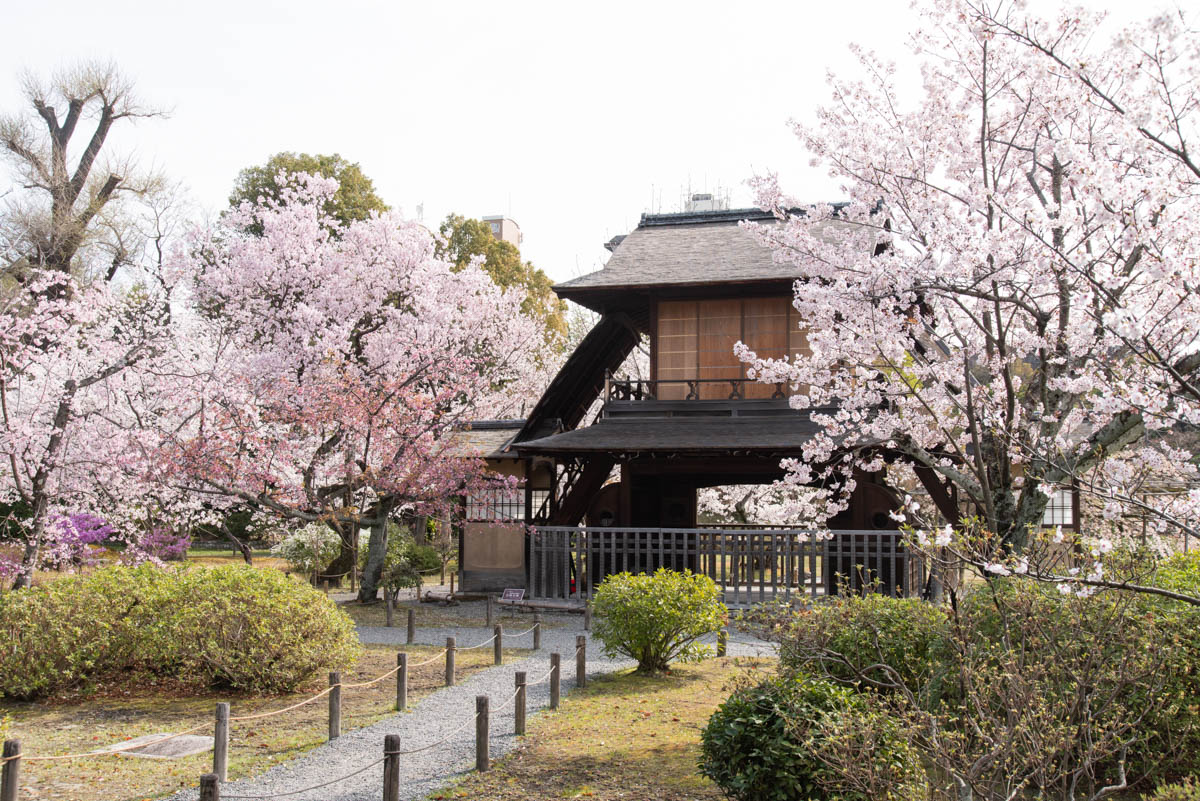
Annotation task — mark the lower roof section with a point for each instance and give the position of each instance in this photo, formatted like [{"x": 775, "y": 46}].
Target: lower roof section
[{"x": 782, "y": 435}]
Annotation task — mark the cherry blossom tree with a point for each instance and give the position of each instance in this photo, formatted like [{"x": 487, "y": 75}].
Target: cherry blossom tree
[
  {"x": 1007, "y": 302},
  {"x": 332, "y": 362},
  {"x": 82, "y": 299}
]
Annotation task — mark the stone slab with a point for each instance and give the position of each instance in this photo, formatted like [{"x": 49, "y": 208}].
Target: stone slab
[{"x": 148, "y": 746}]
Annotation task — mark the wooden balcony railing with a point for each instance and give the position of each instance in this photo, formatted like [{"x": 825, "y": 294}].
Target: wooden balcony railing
[{"x": 690, "y": 389}]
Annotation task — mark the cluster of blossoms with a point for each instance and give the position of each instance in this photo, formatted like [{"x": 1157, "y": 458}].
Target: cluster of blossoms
[{"x": 1005, "y": 306}]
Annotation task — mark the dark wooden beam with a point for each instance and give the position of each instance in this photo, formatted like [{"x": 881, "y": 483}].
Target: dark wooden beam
[{"x": 940, "y": 493}]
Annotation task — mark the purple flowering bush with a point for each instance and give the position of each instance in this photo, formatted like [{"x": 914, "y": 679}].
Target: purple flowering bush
[{"x": 69, "y": 541}]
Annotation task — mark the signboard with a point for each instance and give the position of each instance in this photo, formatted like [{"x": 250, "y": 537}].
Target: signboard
[{"x": 513, "y": 595}]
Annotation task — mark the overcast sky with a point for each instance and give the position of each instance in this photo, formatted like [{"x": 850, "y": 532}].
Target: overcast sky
[{"x": 573, "y": 119}]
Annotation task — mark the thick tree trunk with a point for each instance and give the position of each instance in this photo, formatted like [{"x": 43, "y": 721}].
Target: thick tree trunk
[{"x": 376, "y": 556}]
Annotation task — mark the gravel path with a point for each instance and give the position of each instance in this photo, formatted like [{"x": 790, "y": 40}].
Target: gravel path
[{"x": 446, "y": 714}]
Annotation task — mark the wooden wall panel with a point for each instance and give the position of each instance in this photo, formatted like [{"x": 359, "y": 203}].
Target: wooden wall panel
[
  {"x": 695, "y": 339},
  {"x": 720, "y": 327},
  {"x": 676, "y": 347},
  {"x": 765, "y": 326}
]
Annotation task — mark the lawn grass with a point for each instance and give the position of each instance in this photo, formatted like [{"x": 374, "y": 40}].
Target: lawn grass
[
  {"x": 625, "y": 736},
  {"x": 130, "y": 706}
]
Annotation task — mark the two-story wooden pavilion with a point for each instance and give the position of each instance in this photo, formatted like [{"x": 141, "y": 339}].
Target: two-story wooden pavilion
[{"x": 617, "y": 489}]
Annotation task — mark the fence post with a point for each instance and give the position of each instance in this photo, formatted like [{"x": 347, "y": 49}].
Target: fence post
[
  {"x": 11, "y": 779},
  {"x": 491, "y": 612},
  {"x": 388, "y": 601},
  {"x": 412, "y": 626},
  {"x": 498, "y": 644},
  {"x": 451, "y": 586},
  {"x": 450, "y": 661},
  {"x": 335, "y": 705},
  {"x": 402, "y": 682},
  {"x": 555, "y": 679},
  {"x": 580, "y": 661},
  {"x": 481, "y": 733},
  {"x": 722, "y": 642},
  {"x": 587, "y": 615},
  {"x": 391, "y": 767},
  {"x": 210, "y": 787},
  {"x": 221, "y": 743},
  {"x": 537, "y": 631},
  {"x": 519, "y": 709}
]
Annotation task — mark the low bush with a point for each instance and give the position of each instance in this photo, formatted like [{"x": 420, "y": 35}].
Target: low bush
[
  {"x": 870, "y": 640},
  {"x": 232, "y": 626},
  {"x": 656, "y": 619},
  {"x": 784, "y": 740},
  {"x": 1186, "y": 790}
]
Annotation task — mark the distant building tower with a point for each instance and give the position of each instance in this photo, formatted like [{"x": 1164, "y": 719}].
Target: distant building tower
[
  {"x": 707, "y": 201},
  {"x": 504, "y": 228}
]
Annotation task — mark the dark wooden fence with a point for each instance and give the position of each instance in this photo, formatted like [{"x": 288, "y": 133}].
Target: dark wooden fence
[{"x": 750, "y": 565}]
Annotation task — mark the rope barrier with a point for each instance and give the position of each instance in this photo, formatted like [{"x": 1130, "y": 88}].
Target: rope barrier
[
  {"x": 469, "y": 721},
  {"x": 256, "y": 716},
  {"x": 549, "y": 673},
  {"x": 511, "y": 698},
  {"x": 478, "y": 645},
  {"x": 314, "y": 787},
  {"x": 391, "y": 672},
  {"x": 521, "y": 633},
  {"x": 261, "y": 715},
  {"x": 108, "y": 752},
  {"x": 433, "y": 658}
]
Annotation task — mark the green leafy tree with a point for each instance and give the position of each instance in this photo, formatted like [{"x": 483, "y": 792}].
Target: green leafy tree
[
  {"x": 466, "y": 239},
  {"x": 354, "y": 200}
]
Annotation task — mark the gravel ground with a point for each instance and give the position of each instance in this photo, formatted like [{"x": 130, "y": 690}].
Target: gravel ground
[{"x": 447, "y": 714}]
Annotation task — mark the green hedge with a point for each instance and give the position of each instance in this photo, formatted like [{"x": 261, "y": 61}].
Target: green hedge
[{"x": 232, "y": 626}]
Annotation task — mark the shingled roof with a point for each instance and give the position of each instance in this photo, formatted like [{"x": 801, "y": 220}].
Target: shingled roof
[
  {"x": 484, "y": 439},
  {"x": 687, "y": 249},
  {"x": 776, "y": 435}
]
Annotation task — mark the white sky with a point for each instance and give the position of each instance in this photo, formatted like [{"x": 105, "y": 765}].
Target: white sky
[{"x": 561, "y": 115}]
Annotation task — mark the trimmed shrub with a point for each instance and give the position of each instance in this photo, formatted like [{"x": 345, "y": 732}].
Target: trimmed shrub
[
  {"x": 656, "y": 619},
  {"x": 259, "y": 630},
  {"x": 783, "y": 739},
  {"x": 905, "y": 634},
  {"x": 233, "y": 626}
]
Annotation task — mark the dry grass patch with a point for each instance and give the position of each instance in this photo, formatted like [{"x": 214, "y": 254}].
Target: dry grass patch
[
  {"x": 624, "y": 737},
  {"x": 136, "y": 705}
]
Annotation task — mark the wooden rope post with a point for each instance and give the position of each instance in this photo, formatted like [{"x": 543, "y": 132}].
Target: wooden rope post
[
  {"x": 412, "y": 627},
  {"x": 449, "y": 661},
  {"x": 519, "y": 709},
  {"x": 537, "y": 632},
  {"x": 391, "y": 767},
  {"x": 221, "y": 742},
  {"x": 388, "y": 607},
  {"x": 10, "y": 780},
  {"x": 555, "y": 679},
  {"x": 452, "y": 585},
  {"x": 722, "y": 642},
  {"x": 498, "y": 644},
  {"x": 587, "y": 616},
  {"x": 210, "y": 787},
  {"x": 580, "y": 661},
  {"x": 491, "y": 610},
  {"x": 402, "y": 682},
  {"x": 335, "y": 705},
  {"x": 482, "y": 750}
]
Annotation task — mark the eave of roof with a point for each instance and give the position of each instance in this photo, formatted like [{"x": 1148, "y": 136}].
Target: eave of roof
[{"x": 770, "y": 434}]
